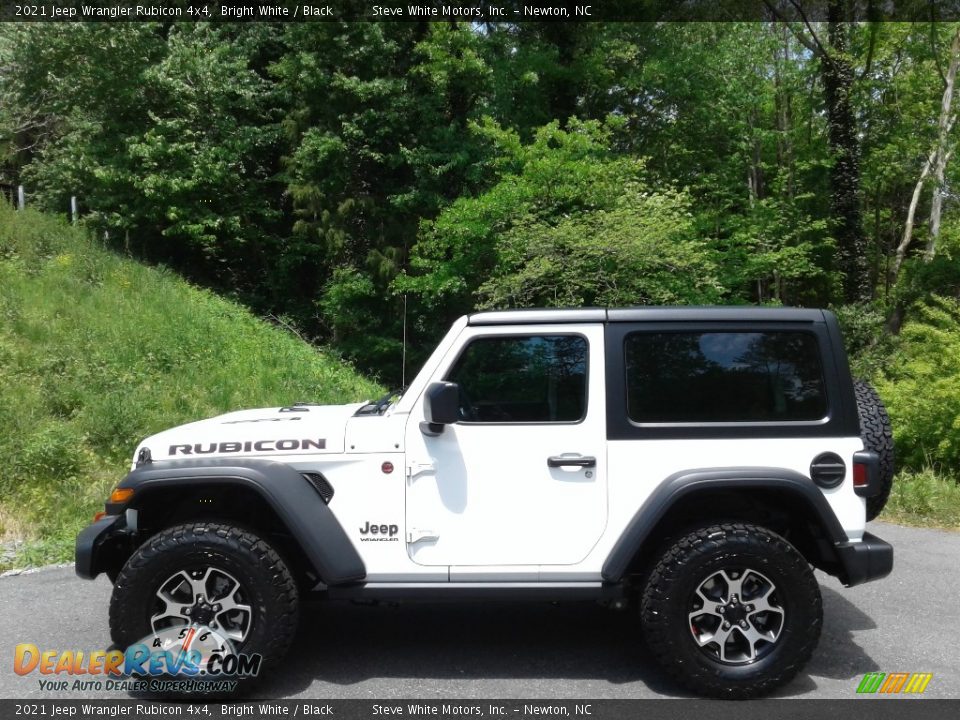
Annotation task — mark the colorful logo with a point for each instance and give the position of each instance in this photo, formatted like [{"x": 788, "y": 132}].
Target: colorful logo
[
  {"x": 893, "y": 683},
  {"x": 193, "y": 653}
]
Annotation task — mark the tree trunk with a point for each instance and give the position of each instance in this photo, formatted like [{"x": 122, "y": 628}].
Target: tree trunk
[
  {"x": 936, "y": 162},
  {"x": 755, "y": 189},
  {"x": 904, "y": 245},
  {"x": 784, "y": 111},
  {"x": 837, "y": 74},
  {"x": 895, "y": 321},
  {"x": 563, "y": 92},
  {"x": 942, "y": 153}
]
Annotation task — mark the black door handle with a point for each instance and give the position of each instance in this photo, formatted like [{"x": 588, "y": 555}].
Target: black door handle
[{"x": 585, "y": 461}]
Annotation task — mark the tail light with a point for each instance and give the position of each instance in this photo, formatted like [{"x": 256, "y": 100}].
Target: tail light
[
  {"x": 866, "y": 473},
  {"x": 861, "y": 474}
]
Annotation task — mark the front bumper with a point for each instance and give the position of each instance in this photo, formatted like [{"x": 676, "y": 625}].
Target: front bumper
[
  {"x": 869, "y": 559},
  {"x": 93, "y": 543}
]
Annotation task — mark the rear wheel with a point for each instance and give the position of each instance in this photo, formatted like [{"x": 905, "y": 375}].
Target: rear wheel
[{"x": 732, "y": 611}]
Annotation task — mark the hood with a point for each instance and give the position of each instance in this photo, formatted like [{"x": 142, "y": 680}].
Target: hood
[{"x": 295, "y": 430}]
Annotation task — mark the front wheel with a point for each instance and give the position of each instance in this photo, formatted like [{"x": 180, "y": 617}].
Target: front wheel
[
  {"x": 732, "y": 611},
  {"x": 209, "y": 583}
]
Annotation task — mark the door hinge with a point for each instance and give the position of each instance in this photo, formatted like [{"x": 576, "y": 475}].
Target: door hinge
[
  {"x": 415, "y": 470},
  {"x": 416, "y": 535}
]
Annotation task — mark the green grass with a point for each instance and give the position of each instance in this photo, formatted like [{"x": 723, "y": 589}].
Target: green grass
[
  {"x": 924, "y": 498},
  {"x": 98, "y": 351}
]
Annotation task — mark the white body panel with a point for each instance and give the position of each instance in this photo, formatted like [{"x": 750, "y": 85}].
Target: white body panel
[{"x": 638, "y": 467}]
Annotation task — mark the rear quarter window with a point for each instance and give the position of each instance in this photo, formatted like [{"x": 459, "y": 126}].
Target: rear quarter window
[{"x": 724, "y": 377}]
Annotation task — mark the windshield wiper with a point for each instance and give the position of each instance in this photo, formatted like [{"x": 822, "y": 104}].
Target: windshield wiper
[{"x": 377, "y": 407}]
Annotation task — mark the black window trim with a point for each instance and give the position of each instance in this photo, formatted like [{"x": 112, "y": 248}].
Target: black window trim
[
  {"x": 836, "y": 423},
  {"x": 527, "y": 334}
]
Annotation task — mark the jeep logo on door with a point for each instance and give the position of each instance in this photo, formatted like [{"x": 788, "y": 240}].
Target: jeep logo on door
[{"x": 383, "y": 533}]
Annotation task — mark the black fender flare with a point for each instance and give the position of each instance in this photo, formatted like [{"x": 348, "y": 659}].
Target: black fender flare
[
  {"x": 687, "y": 482},
  {"x": 308, "y": 519}
]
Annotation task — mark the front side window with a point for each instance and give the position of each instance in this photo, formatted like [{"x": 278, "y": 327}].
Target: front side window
[
  {"x": 539, "y": 378},
  {"x": 706, "y": 377}
]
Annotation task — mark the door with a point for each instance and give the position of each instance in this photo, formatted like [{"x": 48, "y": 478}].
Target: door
[{"x": 521, "y": 478}]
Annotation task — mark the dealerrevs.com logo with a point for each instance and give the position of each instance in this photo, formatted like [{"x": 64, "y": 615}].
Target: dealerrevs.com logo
[
  {"x": 894, "y": 683},
  {"x": 192, "y": 658}
]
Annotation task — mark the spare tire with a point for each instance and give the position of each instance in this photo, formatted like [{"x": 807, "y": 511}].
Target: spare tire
[{"x": 877, "y": 436}]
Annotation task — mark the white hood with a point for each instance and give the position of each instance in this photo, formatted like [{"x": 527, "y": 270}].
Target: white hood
[{"x": 304, "y": 429}]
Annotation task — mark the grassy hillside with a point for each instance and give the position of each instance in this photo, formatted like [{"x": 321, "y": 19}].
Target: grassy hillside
[{"x": 97, "y": 351}]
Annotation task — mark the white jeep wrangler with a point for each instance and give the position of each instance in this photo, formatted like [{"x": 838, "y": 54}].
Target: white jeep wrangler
[{"x": 696, "y": 460}]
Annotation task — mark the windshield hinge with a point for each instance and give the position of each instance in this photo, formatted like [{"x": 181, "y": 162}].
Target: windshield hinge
[
  {"x": 415, "y": 535},
  {"x": 416, "y": 469}
]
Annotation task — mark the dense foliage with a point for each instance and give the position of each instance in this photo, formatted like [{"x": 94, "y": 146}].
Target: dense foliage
[
  {"x": 97, "y": 352},
  {"x": 921, "y": 385},
  {"x": 362, "y": 181},
  {"x": 566, "y": 223}
]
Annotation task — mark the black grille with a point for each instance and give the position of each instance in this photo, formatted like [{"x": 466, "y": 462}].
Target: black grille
[{"x": 320, "y": 484}]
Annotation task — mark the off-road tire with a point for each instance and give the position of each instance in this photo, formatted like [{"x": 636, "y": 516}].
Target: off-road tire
[
  {"x": 877, "y": 435},
  {"x": 665, "y": 605},
  {"x": 257, "y": 566}
]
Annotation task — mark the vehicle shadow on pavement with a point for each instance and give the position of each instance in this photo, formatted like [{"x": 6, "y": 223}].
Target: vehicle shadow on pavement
[
  {"x": 344, "y": 644},
  {"x": 837, "y": 657}
]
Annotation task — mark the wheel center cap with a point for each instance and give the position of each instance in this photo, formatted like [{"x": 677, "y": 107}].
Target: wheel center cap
[
  {"x": 202, "y": 613},
  {"x": 735, "y": 613}
]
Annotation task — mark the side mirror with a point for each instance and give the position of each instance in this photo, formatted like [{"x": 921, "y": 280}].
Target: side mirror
[{"x": 441, "y": 406}]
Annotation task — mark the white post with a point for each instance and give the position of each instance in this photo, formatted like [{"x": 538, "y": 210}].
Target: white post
[
  {"x": 73, "y": 209},
  {"x": 21, "y": 198}
]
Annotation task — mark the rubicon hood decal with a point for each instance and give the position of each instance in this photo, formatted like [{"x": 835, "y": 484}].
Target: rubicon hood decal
[
  {"x": 234, "y": 446},
  {"x": 261, "y": 419},
  {"x": 259, "y": 432}
]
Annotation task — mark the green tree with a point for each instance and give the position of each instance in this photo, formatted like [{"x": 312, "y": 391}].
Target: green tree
[
  {"x": 379, "y": 138},
  {"x": 205, "y": 170},
  {"x": 568, "y": 222},
  {"x": 921, "y": 388},
  {"x": 78, "y": 91},
  {"x": 724, "y": 111}
]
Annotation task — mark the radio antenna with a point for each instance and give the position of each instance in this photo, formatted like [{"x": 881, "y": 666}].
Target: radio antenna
[{"x": 403, "y": 360}]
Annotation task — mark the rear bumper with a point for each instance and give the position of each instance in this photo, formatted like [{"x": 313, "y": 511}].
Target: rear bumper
[
  {"x": 869, "y": 559},
  {"x": 90, "y": 542}
]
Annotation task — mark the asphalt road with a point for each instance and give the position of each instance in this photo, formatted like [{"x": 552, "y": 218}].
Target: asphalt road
[{"x": 907, "y": 622}]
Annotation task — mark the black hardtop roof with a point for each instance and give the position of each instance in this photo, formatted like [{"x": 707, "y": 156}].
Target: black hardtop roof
[{"x": 717, "y": 313}]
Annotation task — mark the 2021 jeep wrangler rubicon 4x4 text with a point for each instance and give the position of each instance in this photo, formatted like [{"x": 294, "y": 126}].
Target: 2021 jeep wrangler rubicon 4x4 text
[{"x": 699, "y": 461}]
